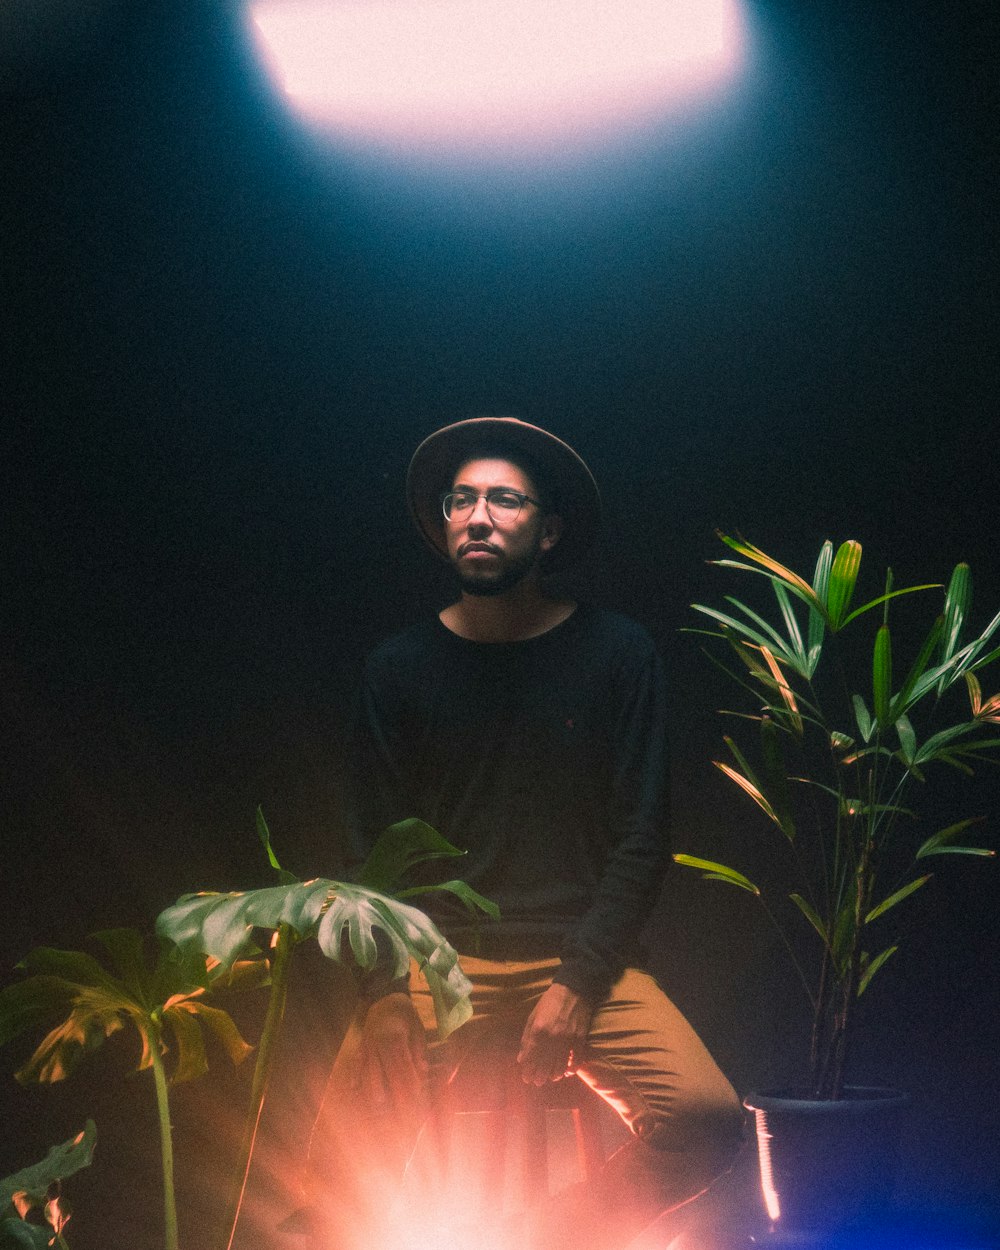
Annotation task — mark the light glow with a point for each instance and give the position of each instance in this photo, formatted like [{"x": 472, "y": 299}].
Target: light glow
[
  {"x": 493, "y": 74},
  {"x": 768, "y": 1189}
]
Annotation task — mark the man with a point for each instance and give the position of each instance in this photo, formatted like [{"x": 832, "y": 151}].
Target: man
[{"x": 530, "y": 730}]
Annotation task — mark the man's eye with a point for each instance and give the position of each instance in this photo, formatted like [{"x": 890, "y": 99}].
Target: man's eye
[
  {"x": 463, "y": 499},
  {"x": 505, "y": 499}
]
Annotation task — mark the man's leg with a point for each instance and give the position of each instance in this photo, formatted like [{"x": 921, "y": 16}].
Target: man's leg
[
  {"x": 359, "y": 1147},
  {"x": 368, "y": 1164},
  {"x": 686, "y": 1121},
  {"x": 650, "y": 1066}
]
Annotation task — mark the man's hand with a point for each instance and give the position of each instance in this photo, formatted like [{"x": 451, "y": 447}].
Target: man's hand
[
  {"x": 555, "y": 1038},
  {"x": 391, "y": 1073}
]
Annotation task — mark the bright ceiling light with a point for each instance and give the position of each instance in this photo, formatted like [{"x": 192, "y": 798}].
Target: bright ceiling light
[{"x": 493, "y": 74}]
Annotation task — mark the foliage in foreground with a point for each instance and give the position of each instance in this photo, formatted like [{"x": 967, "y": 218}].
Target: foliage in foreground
[
  {"x": 344, "y": 919},
  {"x": 209, "y": 942},
  {"x": 836, "y": 767},
  {"x": 38, "y": 1189},
  {"x": 160, "y": 1000}
]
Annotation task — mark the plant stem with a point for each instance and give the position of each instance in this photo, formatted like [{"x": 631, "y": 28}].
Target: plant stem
[
  {"x": 166, "y": 1142},
  {"x": 818, "y": 1040},
  {"x": 284, "y": 945}
]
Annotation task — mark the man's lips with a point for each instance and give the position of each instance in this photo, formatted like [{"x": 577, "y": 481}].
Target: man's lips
[{"x": 477, "y": 549}]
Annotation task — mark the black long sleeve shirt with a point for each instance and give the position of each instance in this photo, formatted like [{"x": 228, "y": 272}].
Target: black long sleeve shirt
[{"x": 545, "y": 760}]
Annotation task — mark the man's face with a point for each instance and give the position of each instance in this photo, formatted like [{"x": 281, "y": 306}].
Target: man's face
[{"x": 491, "y": 555}]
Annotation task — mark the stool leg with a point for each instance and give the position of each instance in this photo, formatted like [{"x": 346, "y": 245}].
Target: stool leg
[
  {"x": 535, "y": 1142},
  {"x": 589, "y": 1147}
]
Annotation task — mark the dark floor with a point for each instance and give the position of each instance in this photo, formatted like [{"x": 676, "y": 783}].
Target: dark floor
[{"x": 732, "y": 1217}]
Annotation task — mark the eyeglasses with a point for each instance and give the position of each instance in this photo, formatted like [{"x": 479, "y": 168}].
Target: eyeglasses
[{"x": 502, "y": 504}]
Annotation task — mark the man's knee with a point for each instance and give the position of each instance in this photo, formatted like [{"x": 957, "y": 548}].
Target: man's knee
[{"x": 709, "y": 1126}]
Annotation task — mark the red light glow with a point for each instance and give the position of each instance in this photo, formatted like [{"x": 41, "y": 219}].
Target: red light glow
[{"x": 497, "y": 74}]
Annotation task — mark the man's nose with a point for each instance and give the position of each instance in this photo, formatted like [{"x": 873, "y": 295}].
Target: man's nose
[{"x": 480, "y": 517}]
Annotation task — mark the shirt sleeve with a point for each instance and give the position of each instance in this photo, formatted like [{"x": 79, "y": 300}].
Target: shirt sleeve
[{"x": 606, "y": 939}]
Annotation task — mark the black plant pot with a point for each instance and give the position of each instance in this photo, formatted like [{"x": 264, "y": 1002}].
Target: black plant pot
[{"x": 825, "y": 1165}]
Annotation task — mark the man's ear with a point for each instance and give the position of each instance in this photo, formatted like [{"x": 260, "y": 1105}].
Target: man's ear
[{"x": 552, "y": 528}]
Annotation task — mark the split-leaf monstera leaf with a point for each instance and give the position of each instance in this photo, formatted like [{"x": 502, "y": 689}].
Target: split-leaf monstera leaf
[{"x": 345, "y": 918}]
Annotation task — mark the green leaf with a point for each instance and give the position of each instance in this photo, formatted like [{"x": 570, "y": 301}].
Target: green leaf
[
  {"x": 945, "y": 757},
  {"x": 740, "y": 758},
  {"x": 819, "y": 785},
  {"x": 943, "y": 738},
  {"x": 888, "y": 592},
  {"x": 60, "y": 1162},
  {"x": 898, "y": 897},
  {"x": 812, "y": 916},
  {"x": 748, "y": 786},
  {"x": 716, "y": 872},
  {"x": 982, "y": 852},
  {"x": 971, "y": 749},
  {"x": 941, "y": 843},
  {"x": 854, "y": 807},
  {"x": 17, "y": 1234},
  {"x": 843, "y": 577},
  {"x": 788, "y": 713},
  {"x": 97, "y": 1006},
  {"x": 748, "y": 633},
  {"x": 794, "y": 634},
  {"x": 26, "y": 1004},
  {"x": 817, "y": 623},
  {"x": 128, "y": 958},
  {"x": 399, "y": 848},
  {"x": 795, "y": 584},
  {"x": 948, "y": 672},
  {"x": 777, "y": 776},
  {"x": 191, "y": 1060},
  {"x": 342, "y": 917},
  {"x": 59, "y": 1053},
  {"x": 969, "y": 657},
  {"x": 777, "y": 641},
  {"x": 985, "y": 660},
  {"x": 882, "y": 675},
  {"x": 861, "y": 714},
  {"x": 907, "y": 739},
  {"x": 882, "y": 599},
  {"x": 871, "y": 966},
  {"x": 471, "y": 899},
  {"x": 821, "y": 574},
  {"x": 957, "y": 601},
  {"x": 264, "y": 833},
  {"x": 762, "y": 665},
  {"x": 75, "y": 966},
  {"x": 903, "y": 701}
]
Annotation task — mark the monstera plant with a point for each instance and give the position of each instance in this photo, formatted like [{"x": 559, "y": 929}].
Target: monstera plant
[
  {"x": 839, "y": 742},
  {"x": 346, "y": 920},
  {"x": 210, "y": 944}
]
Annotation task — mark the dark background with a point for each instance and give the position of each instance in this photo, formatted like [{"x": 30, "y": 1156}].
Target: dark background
[{"x": 220, "y": 347}]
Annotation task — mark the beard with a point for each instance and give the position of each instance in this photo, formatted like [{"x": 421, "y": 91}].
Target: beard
[{"x": 487, "y": 583}]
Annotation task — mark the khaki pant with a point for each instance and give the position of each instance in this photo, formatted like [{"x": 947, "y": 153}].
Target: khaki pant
[{"x": 643, "y": 1059}]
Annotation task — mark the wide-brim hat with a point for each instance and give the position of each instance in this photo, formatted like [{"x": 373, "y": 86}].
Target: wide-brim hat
[{"x": 569, "y": 483}]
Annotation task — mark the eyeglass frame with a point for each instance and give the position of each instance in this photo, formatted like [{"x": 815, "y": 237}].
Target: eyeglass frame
[{"x": 485, "y": 494}]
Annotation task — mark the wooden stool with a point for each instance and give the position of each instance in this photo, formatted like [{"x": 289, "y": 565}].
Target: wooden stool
[{"x": 506, "y": 1144}]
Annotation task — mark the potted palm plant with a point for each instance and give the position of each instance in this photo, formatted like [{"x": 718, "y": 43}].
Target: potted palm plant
[{"x": 839, "y": 746}]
